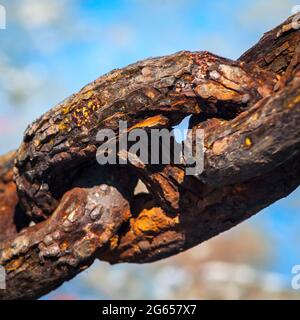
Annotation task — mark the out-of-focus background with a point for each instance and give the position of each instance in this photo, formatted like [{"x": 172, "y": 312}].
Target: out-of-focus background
[{"x": 52, "y": 48}]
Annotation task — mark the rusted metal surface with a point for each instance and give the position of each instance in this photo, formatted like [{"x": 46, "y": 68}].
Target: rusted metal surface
[
  {"x": 43, "y": 256},
  {"x": 249, "y": 110},
  {"x": 167, "y": 88},
  {"x": 8, "y": 196}
]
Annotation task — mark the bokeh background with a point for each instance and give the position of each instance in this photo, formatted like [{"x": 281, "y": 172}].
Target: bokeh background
[{"x": 52, "y": 48}]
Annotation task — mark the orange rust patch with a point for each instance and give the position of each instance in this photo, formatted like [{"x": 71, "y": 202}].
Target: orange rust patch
[
  {"x": 114, "y": 241},
  {"x": 151, "y": 221},
  {"x": 14, "y": 264},
  {"x": 150, "y": 122},
  {"x": 178, "y": 175},
  {"x": 63, "y": 246}
]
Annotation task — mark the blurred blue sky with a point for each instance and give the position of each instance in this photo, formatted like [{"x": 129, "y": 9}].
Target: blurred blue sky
[{"x": 51, "y": 49}]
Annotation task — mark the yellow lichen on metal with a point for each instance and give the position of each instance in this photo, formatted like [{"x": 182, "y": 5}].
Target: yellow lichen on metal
[
  {"x": 82, "y": 114},
  {"x": 87, "y": 95},
  {"x": 64, "y": 124},
  {"x": 78, "y": 114},
  {"x": 248, "y": 142}
]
